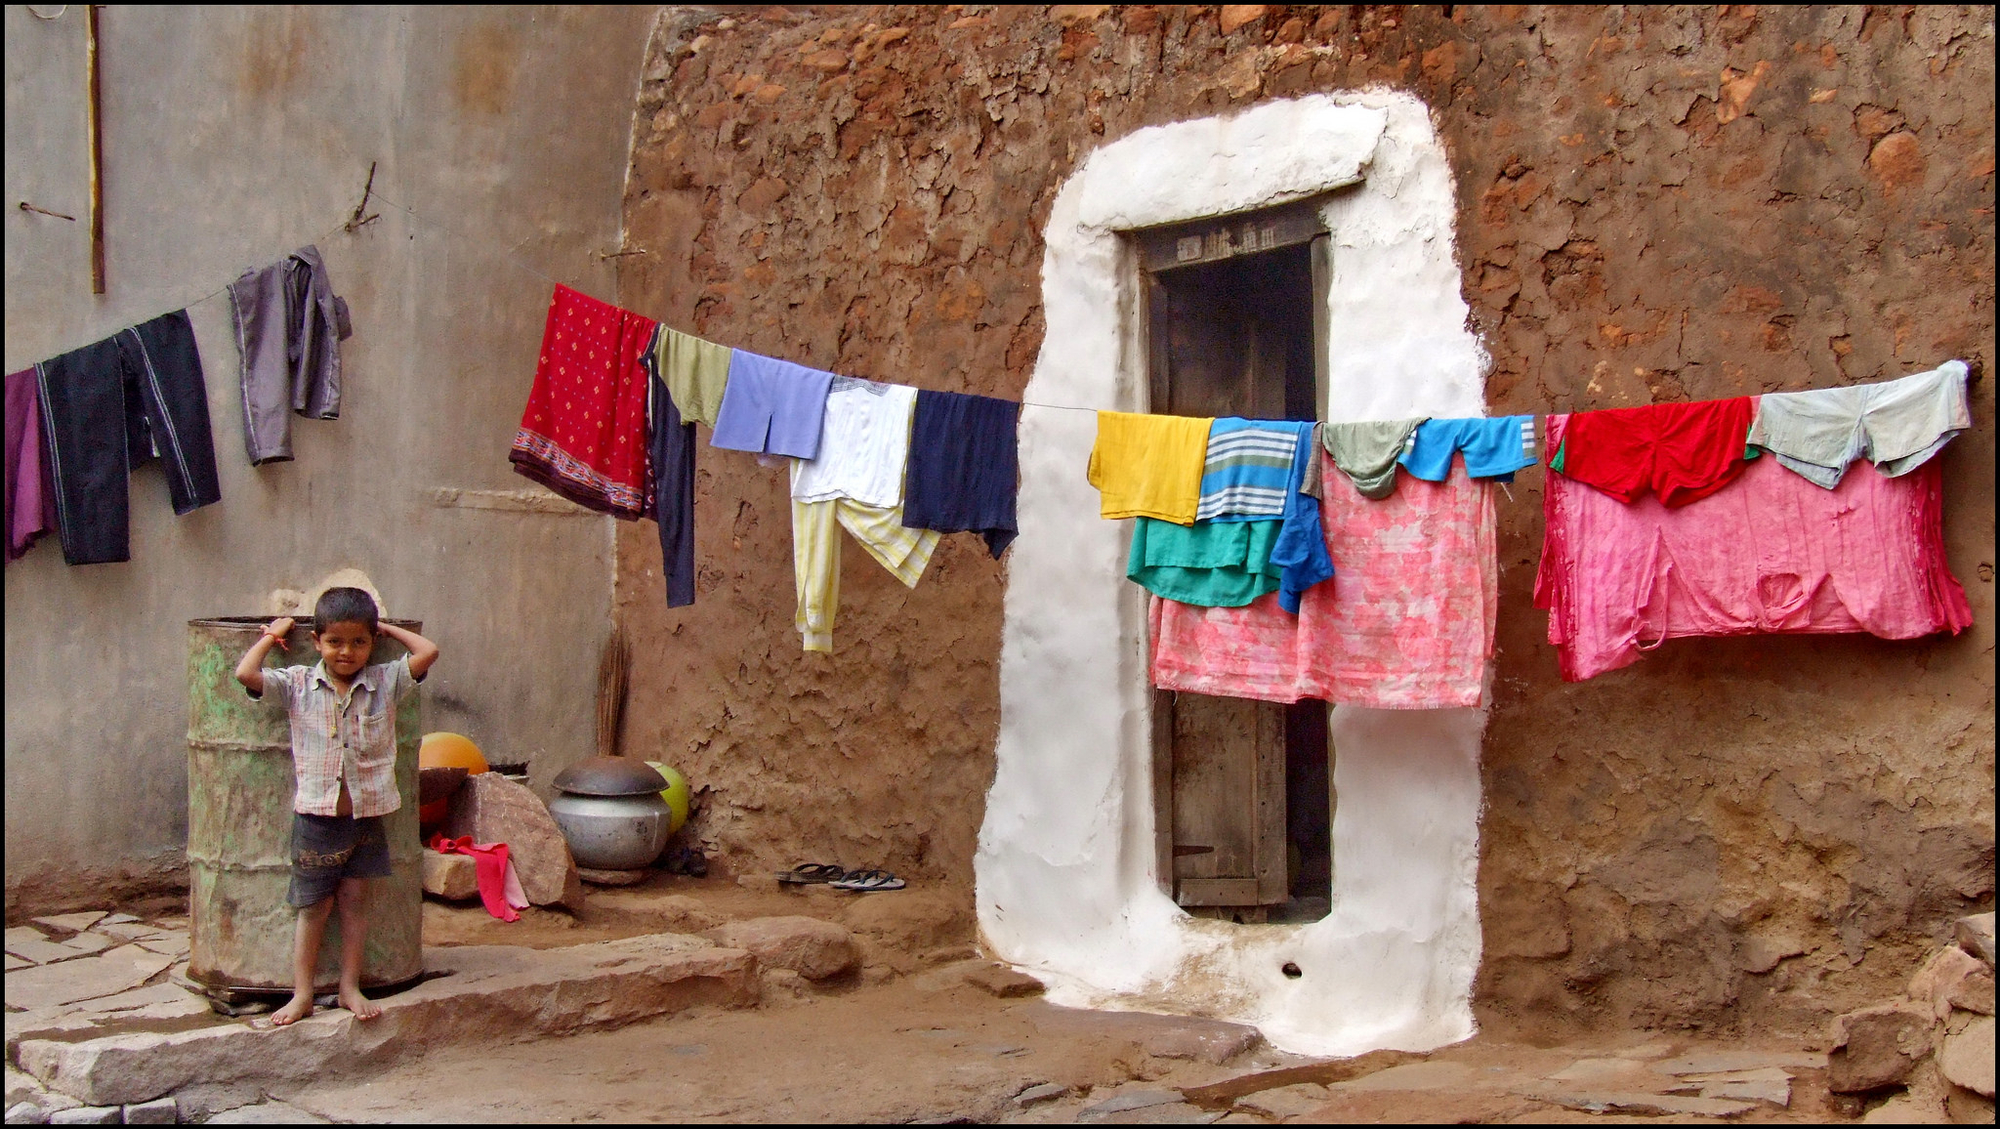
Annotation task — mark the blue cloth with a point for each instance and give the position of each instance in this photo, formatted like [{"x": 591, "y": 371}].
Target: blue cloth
[
  {"x": 1300, "y": 551},
  {"x": 1494, "y": 448},
  {"x": 1247, "y": 474},
  {"x": 770, "y": 406},
  {"x": 964, "y": 467}
]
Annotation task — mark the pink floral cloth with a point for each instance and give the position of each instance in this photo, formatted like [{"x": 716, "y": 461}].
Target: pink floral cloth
[
  {"x": 1406, "y": 622},
  {"x": 1770, "y": 552}
]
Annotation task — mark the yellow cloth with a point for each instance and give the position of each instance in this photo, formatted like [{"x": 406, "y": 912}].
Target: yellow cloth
[
  {"x": 1149, "y": 466},
  {"x": 903, "y": 551},
  {"x": 694, "y": 371}
]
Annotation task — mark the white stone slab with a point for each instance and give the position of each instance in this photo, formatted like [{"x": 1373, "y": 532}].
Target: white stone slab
[
  {"x": 70, "y": 922},
  {"x": 1416, "y": 1076},
  {"x": 89, "y": 943},
  {"x": 84, "y": 978}
]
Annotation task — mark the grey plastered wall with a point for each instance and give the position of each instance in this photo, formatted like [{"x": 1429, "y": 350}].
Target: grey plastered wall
[{"x": 231, "y": 136}]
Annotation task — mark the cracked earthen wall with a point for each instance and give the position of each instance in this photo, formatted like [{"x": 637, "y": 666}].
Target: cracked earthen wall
[{"x": 1654, "y": 205}]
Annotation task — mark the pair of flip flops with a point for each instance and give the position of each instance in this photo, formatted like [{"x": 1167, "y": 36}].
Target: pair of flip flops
[{"x": 840, "y": 878}]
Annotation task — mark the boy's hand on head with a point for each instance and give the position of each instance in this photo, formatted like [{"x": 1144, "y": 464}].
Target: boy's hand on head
[{"x": 278, "y": 629}]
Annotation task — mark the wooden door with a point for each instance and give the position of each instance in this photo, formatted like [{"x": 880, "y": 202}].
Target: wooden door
[{"x": 1228, "y": 337}]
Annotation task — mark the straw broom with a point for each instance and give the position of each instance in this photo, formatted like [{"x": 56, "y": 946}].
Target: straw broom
[{"x": 611, "y": 677}]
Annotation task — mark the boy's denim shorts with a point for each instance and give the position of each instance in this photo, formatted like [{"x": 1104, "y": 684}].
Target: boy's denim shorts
[{"x": 328, "y": 848}]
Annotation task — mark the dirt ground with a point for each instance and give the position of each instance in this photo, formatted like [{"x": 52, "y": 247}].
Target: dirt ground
[
  {"x": 908, "y": 1039},
  {"x": 906, "y": 1051}
]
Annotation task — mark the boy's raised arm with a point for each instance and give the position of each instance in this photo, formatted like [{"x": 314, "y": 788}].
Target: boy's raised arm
[
  {"x": 250, "y": 671},
  {"x": 423, "y": 652}
]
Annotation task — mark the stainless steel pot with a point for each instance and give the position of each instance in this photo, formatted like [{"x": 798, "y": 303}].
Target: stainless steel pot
[{"x": 613, "y": 832}]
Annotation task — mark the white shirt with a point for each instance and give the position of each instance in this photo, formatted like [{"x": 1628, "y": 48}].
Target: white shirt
[{"x": 864, "y": 445}]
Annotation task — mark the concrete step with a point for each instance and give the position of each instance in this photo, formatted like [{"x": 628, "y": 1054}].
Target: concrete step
[{"x": 489, "y": 992}]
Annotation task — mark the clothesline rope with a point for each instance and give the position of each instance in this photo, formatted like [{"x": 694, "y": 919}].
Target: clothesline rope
[{"x": 522, "y": 264}]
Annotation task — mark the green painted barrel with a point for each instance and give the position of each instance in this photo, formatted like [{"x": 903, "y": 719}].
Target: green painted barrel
[{"x": 240, "y": 787}]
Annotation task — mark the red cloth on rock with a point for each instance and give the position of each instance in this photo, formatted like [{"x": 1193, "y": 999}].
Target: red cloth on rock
[
  {"x": 1681, "y": 452},
  {"x": 583, "y": 433},
  {"x": 499, "y": 887}
]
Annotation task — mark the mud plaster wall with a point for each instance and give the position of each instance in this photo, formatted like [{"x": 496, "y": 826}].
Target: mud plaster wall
[
  {"x": 1651, "y": 205},
  {"x": 232, "y": 136}
]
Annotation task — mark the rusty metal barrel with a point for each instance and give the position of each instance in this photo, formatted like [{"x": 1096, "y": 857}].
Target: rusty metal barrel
[{"x": 240, "y": 789}]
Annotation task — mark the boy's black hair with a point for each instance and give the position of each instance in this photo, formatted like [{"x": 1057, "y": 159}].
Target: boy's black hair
[{"x": 344, "y": 605}]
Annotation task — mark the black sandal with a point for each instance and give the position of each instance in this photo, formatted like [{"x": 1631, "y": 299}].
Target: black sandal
[
  {"x": 810, "y": 873},
  {"x": 867, "y": 880}
]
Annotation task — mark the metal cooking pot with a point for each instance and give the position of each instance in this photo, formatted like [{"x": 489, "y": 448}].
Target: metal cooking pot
[
  {"x": 611, "y": 813},
  {"x": 613, "y": 832}
]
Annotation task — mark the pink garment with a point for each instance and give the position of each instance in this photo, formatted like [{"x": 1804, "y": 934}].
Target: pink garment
[
  {"x": 499, "y": 883},
  {"x": 1770, "y": 552},
  {"x": 31, "y": 502},
  {"x": 1406, "y": 622}
]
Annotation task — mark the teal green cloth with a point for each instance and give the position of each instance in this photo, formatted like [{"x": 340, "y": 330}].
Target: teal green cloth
[{"x": 1212, "y": 564}]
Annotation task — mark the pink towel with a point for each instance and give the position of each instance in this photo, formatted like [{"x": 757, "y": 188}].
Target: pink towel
[
  {"x": 1770, "y": 552},
  {"x": 1406, "y": 622},
  {"x": 499, "y": 883}
]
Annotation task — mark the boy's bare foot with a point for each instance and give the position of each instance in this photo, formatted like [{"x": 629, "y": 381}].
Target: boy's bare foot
[
  {"x": 297, "y": 1009},
  {"x": 362, "y": 1007}
]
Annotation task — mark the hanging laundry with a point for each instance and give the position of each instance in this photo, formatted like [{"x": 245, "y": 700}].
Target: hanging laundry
[
  {"x": 1897, "y": 424},
  {"x": 1494, "y": 448},
  {"x": 964, "y": 470},
  {"x": 1246, "y": 472},
  {"x": 107, "y": 407},
  {"x": 864, "y": 445},
  {"x": 583, "y": 432},
  {"x": 771, "y": 407},
  {"x": 816, "y": 557},
  {"x": 696, "y": 373},
  {"x": 670, "y": 450},
  {"x": 1367, "y": 453},
  {"x": 1213, "y": 564},
  {"x": 1773, "y": 552},
  {"x": 289, "y": 325},
  {"x": 1229, "y": 563},
  {"x": 1300, "y": 553},
  {"x": 1680, "y": 452},
  {"x": 1309, "y": 485},
  {"x": 31, "y": 504},
  {"x": 1407, "y": 622},
  {"x": 1149, "y": 466}
]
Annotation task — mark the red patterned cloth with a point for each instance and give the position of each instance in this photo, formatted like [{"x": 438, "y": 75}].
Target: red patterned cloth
[
  {"x": 1406, "y": 622},
  {"x": 583, "y": 433}
]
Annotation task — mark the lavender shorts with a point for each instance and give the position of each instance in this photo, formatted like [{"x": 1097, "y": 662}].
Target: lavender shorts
[{"x": 770, "y": 406}]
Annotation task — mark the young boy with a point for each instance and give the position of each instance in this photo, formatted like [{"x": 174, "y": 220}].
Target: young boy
[{"x": 343, "y": 717}]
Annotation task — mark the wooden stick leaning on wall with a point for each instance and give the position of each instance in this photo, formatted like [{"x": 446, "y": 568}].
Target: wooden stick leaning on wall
[
  {"x": 611, "y": 679},
  {"x": 94, "y": 122}
]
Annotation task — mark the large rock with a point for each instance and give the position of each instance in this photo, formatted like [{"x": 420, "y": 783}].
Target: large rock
[
  {"x": 494, "y": 809},
  {"x": 450, "y": 876},
  {"x": 1206, "y": 1040},
  {"x": 1001, "y": 981},
  {"x": 1877, "y": 1047},
  {"x": 1968, "y": 1057},
  {"x": 812, "y": 948},
  {"x": 1940, "y": 978},
  {"x": 1975, "y": 936}
]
